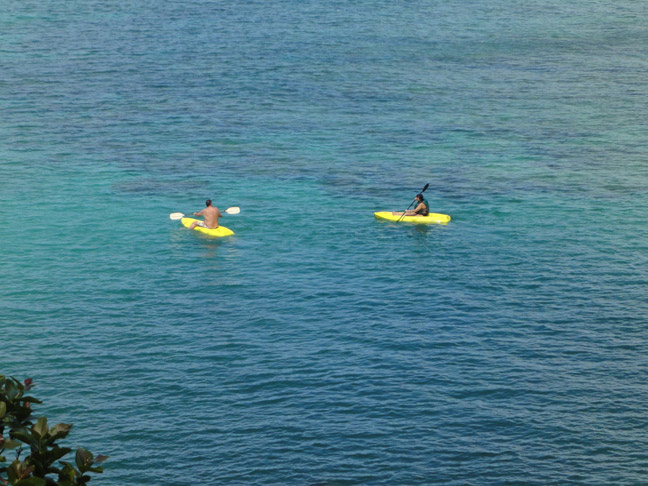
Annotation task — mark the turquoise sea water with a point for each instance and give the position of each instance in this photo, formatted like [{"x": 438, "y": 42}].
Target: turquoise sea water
[{"x": 319, "y": 346}]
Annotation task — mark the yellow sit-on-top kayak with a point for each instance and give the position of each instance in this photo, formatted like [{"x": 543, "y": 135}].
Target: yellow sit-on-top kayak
[
  {"x": 216, "y": 232},
  {"x": 431, "y": 218}
]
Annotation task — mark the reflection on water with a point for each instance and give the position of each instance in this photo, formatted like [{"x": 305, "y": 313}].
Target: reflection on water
[
  {"x": 218, "y": 248},
  {"x": 421, "y": 230}
]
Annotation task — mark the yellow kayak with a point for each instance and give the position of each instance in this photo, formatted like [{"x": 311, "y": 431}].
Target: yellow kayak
[
  {"x": 432, "y": 218},
  {"x": 216, "y": 232}
]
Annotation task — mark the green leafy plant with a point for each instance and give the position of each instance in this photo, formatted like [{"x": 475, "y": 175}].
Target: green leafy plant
[{"x": 43, "y": 464}]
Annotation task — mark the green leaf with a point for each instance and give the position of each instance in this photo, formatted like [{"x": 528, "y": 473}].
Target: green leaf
[
  {"x": 19, "y": 385},
  {"x": 3, "y": 409},
  {"x": 11, "y": 472},
  {"x": 83, "y": 459},
  {"x": 60, "y": 431},
  {"x": 19, "y": 470},
  {"x": 33, "y": 481},
  {"x": 11, "y": 390},
  {"x": 23, "y": 436},
  {"x": 67, "y": 473},
  {"x": 30, "y": 400},
  {"x": 10, "y": 444},
  {"x": 99, "y": 459},
  {"x": 40, "y": 428},
  {"x": 56, "y": 453}
]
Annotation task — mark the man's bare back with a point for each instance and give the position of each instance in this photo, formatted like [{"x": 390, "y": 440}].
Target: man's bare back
[{"x": 211, "y": 215}]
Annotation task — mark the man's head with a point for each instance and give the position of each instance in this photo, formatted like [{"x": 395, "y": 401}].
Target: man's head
[
  {"x": 419, "y": 197},
  {"x": 208, "y": 202}
]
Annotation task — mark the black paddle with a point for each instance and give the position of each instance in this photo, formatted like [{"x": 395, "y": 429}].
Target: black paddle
[{"x": 422, "y": 191}]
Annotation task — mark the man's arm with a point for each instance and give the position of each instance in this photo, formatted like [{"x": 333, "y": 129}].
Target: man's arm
[
  {"x": 415, "y": 211},
  {"x": 200, "y": 213}
]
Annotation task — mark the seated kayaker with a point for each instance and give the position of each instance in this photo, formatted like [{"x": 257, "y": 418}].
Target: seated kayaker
[
  {"x": 421, "y": 209},
  {"x": 211, "y": 215}
]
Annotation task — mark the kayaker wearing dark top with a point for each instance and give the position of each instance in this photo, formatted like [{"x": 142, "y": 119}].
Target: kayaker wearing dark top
[
  {"x": 211, "y": 215},
  {"x": 421, "y": 209}
]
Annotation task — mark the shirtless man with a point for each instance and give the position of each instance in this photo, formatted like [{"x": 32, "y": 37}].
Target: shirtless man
[{"x": 211, "y": 215}]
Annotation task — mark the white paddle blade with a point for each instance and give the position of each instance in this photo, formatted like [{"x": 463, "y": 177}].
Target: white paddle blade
[
  {"x": 233, "y": 210},
  {"x": 176, "y": 216}
]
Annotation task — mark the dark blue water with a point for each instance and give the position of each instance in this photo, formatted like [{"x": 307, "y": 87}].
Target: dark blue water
[{"x": 318, "y": 345}]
